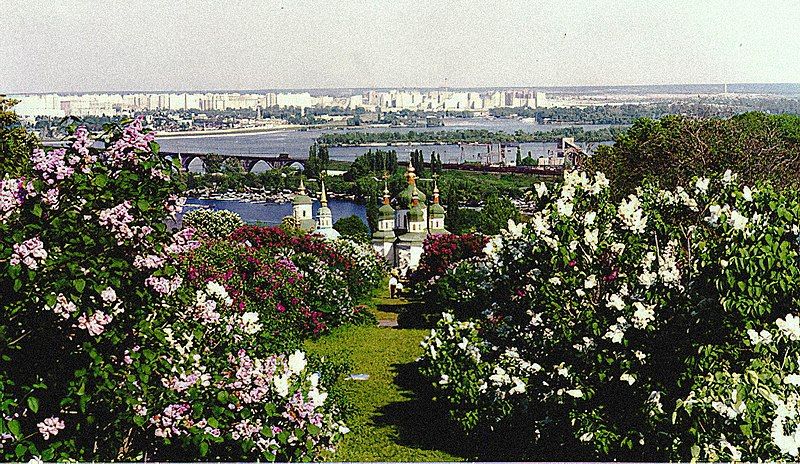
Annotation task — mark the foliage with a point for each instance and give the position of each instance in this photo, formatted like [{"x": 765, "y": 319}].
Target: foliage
[
  {"x": 675, "y": 149},
  {"x": 496, "y": 214},
  {"x": 15, "y": 142},
  {"x": 352, "y": 227},
  {"x": 661, "y": 327},
  {"x": 468, "y": 136},
  {"x": 372, "y": 164},
  {"x": 115, "y": 348},
  {"x": 318, "y": 160},
  {"x": 214, "y": 224}
]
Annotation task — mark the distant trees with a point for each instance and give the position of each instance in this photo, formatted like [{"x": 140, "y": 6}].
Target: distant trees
[
  {"x": 318, "y": 160},
  {"x": 469, "y": 135},
  {"x": 15, "y": 142},
  {"x": 674, "y": 149},
  {"x": 417, "y": 161},
  {"x": 372, "y": 164},
  {"x": 436, "y": 163}
]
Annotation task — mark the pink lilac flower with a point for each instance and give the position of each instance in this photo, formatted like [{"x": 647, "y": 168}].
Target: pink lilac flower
[
  {"x": 31, "y": 252},
  {"x": 51, "y": 165},
  {"x": 81, "y": 145},
  {"x": 117, "y": 219},
  {"x": 94, "y": 324},
  {"x": 63, "y": 306},
  {"x": 182, "y": 242},
  {"x": 174, "y": 204},
  {"x": 50, "y": 426},
  {"x": 148, "y": 262},
  {"x": 50, "y": 197},
  {"x": 124, "y": 150},
  {"x": 163, "y": 285},
  {"x": 12, "y": 195},
  {"x": 167, "y": 424}
]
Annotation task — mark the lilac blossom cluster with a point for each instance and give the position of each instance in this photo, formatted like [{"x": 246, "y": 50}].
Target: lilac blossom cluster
[{"x": 31, "y": 253}]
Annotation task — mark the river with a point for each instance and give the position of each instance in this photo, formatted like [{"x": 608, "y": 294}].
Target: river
[
  {"x": 272, "y": 213},
  {"x": 297, "y": 142}
]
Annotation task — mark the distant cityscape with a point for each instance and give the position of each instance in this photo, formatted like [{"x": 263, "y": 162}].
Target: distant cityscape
[{"x": 110, "y": 104}]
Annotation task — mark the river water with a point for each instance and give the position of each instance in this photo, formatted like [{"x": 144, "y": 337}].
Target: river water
[
  {"x": 297, "y": 142},
  {"x": 272, "y": 213}
]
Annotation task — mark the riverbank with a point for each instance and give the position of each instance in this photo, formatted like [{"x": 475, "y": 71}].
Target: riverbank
[{"x": 256, "y": 196}]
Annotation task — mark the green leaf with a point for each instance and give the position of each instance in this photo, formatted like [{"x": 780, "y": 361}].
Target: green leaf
[
  {"x": 33, "y": 404},
  {"x": 100, "y": 181},
  {"x": 203, "y": 448},
  {"x": 143, "y": 204},
  {"x": 213, "y": 422},
  {"x": 20, "y": 450},
  {"x": 79, "y": 285},
  {"x": 13, "y": 427},
  {"x": 37, "y": 210}
]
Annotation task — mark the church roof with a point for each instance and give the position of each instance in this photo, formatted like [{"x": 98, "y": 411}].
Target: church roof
[{"x": 301, "y": 198}]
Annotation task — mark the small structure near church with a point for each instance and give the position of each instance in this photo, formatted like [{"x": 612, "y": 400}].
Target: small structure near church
[{"x": 302, "y": 207}]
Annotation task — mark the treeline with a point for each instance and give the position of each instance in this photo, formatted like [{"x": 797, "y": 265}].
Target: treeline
[
  {"x": 469, "y": 136},
  {"x": 628, "y": 114}
]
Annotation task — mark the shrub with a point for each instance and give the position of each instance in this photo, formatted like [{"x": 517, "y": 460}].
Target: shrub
[
  {"x": 352, "y": 227},
  {"x": 660, "y": 327},
  {"x": 214, "y": 224},
  {"x": 109, "y": 351}
]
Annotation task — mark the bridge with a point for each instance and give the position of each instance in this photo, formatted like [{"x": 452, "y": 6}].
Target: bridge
[
  {"x": 545, "y": 170},
  {"x": 248, "y": 161}
]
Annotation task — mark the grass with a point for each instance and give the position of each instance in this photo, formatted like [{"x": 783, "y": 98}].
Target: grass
[{"x": 388, "y": 423}]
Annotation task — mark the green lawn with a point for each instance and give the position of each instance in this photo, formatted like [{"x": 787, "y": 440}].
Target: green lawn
[{"x": 388, "y": 422}]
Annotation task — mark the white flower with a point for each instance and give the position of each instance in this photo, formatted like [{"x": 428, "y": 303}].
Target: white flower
[
  {"x": 759, "y": 337},
  {"x": 788, "y": 444},
  {"x": 702, "y": 184},
  {"x": 631, "y": 214},
  {"x": 515, "y": 229},
  {"x": 317, "y": 397},
  {"x": 218, "y": 291},
  {"x": 728, "y": 177},
  {"x": 586, "y": 437},
  {"x": 564, "y": 207},
  {"x": 108, "y": 295},
  {"x": 250, "y": 323},
  {"x": 554, "y": 280},
  {"x": 519, "y": 386},
  {"x": 616, "y": 332},
  {"x": 444, "y": 380},
  {"x": 626, "y": 377},
  {"x": 792, "y": 379},
  {"x": 737, "y": 220},
  {"x": 281, "y": 383},
  {"x": 643, "y": 315},
  {"x": 591, "y": 238},
  {"x": 297, "y": 361},
  {"x": 575, "y": 393},
  {"x": 541, "y": 189},
  {"x": 589, "y": 218},
  {"x": 747, "y": 194},
  {"x": 591, "y": 282},
  {"x": 616, "y": 302},
  {"x": 790, "y": 326}
]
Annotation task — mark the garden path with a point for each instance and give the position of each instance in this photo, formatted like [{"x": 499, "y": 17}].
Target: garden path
[{"x": 388, "y": 422}]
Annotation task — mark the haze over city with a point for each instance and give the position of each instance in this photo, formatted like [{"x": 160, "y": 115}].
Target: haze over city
[{"x": 65, "y": 46}]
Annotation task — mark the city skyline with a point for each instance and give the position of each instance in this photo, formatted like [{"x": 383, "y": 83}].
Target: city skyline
[{"x": 81, "y": 47}]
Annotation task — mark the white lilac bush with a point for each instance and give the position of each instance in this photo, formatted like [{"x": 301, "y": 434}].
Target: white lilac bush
[
  {"x": 214, "y": 224},
  {"x": 662, "y": 327},
  {"x": 109, "y": 349}
]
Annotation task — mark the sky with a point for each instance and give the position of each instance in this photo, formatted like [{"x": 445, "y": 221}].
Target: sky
[{"x": 87, "y": 46}]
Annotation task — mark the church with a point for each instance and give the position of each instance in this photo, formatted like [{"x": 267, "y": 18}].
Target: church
[
  {"x": 302, "y": 213},
  {"x": 402, "y": 231}
]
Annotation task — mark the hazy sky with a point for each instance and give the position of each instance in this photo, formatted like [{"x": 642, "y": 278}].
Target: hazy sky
[{"x": 59, "y": 45}]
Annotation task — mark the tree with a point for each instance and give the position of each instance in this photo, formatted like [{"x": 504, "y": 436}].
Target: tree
[
  {"x": 15, "y": 142},
  {"x": 495, "y": 215},
  {"x": 352, "y": 227},
  {"x": 372, "y": 212}
]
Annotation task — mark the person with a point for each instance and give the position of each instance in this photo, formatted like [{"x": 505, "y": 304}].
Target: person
[{"x": 392, "y": 286}]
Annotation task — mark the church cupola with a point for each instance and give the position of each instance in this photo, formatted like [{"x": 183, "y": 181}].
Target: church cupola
[
  {"x": 436, "y": 213},
  {"x": 324, "y": 216},
  {"x": 301, "y": 208},
  {"x": 416, "y": 215}
]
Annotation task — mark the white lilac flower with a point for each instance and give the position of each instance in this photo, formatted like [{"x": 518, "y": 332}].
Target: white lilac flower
[
  {"x": 702, "y": 184},
  {"x": 444, "y": 380},
  {"x": 297, "y": 361},
  {"x": 541, "y": 189},
  {"x": 591, "y": 238},
  {"x": 728, "y": 177},
  {"x": 515, "y": 230},
  {"x": 564, "y": 207},
  {"x": 317, "y": 397},
  {"x": 643, "y": 315},
  {"x": 108, "y": 295},
  {"x": 787, "y": 444},
  {"x": 626, "y": 377},
  {"x": 50, "y": 426},
  {"x": 737, "y": 220},
  {"x": 575, "y": 393},
  {"x": 519, "y": 386},
  {"x": 591, "y": 282},
  {"x": 589, "y": 218},
  {"x": 616, "y": 332},
  {"x": 747, "y": 194},
  {"x": 631, "y": 214},
  {"x": 250, "y": 323},
  {"x": 616, "y": 302},
  {"x": 790, "y": 326},
  {"x": 281, "y": 383},
  {"x": 759, "y": 337},
  {"x": 218, "y": 291},
  {"x": 792, "y": 379}
]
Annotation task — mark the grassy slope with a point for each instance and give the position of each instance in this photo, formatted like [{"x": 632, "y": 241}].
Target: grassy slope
[{"x": 388, "y": 424}]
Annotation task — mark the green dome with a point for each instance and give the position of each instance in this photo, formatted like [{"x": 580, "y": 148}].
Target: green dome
[
  {"x": 301, "y": 200},
  {"x": 405, "y": 197},
  {"x": 416, "y": 214},
  {"x": 436, "y": 210},
  {"x": 386, "y": 212}
]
